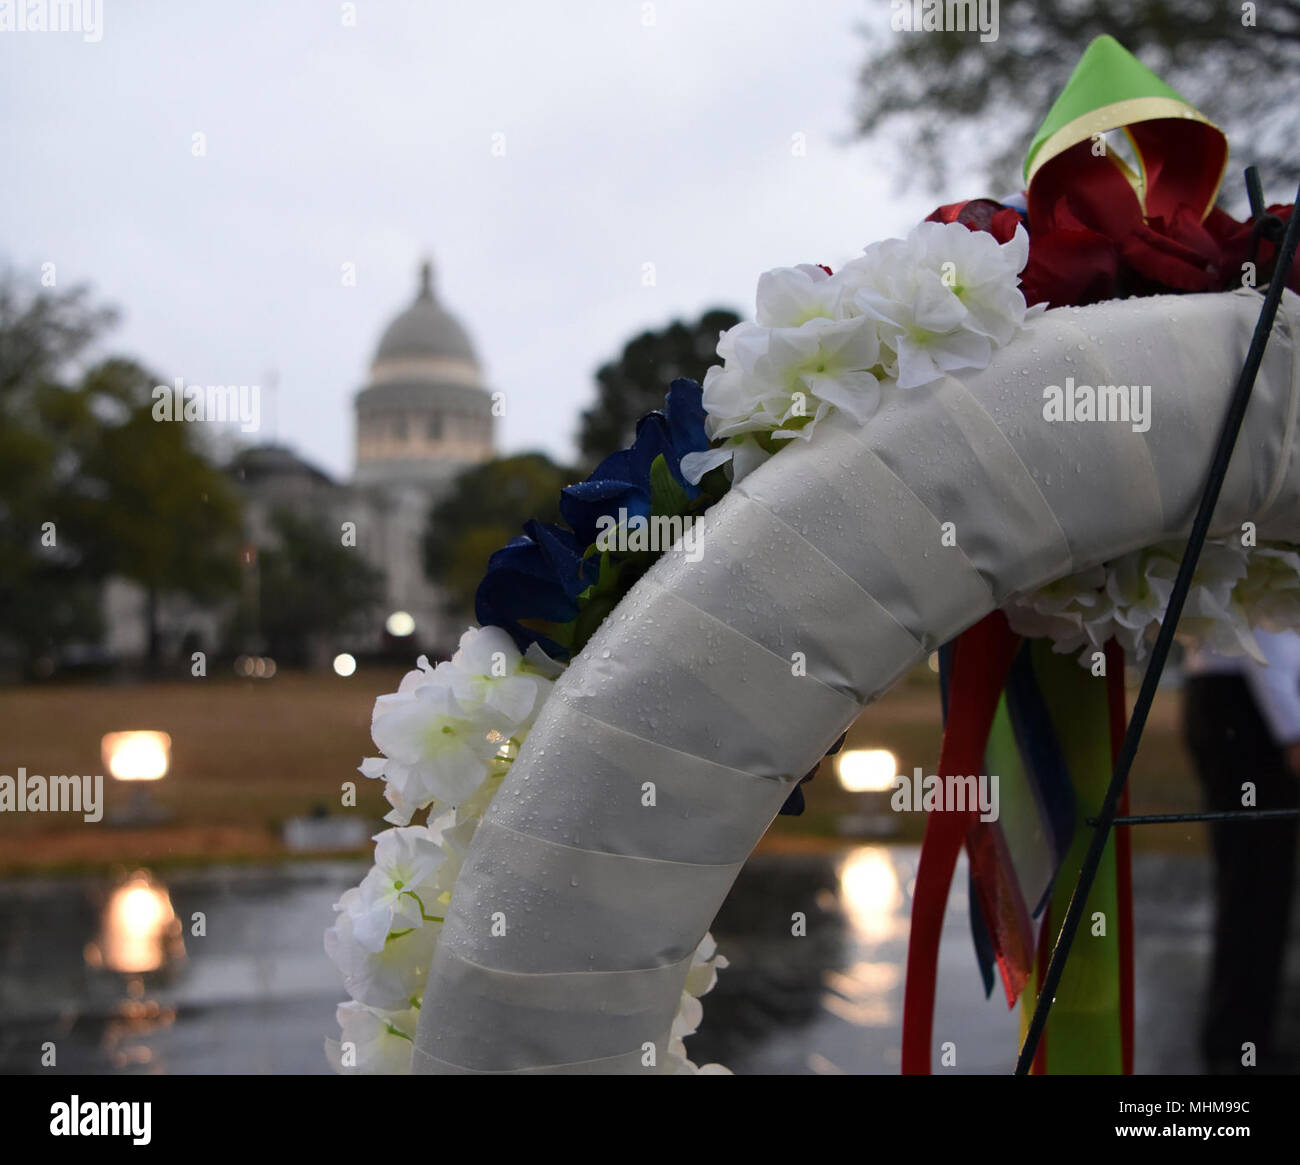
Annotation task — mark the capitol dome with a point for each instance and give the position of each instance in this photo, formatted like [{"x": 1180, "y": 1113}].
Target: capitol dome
[
  {"x": 426, "y": 329},
  {"x": 424, "y": 414}
]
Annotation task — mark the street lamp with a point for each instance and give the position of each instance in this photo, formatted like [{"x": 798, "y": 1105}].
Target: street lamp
[{"x": 400, "y": 624}]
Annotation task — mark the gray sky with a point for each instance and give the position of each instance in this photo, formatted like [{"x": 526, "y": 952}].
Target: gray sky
[{"x": 634, "y": 133}]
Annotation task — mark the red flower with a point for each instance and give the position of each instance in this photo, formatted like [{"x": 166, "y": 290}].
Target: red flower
[
  {"x": 1089, "y": 242},
  {"x": 1234, "y": 241},
  {"x": 981, "y": 214}
]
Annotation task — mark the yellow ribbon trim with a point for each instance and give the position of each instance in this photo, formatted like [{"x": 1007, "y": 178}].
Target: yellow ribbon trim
[{"x": 1120, "y": 115}]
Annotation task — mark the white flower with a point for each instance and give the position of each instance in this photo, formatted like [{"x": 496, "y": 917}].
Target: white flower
[
  {"x": 779, "y": 382},
  {"x": 1071, "y": 611},
  {"x": 981, "y": 273},
  {"x": 921, "y": 323},
  {"x": 488, "y": 673},
  {"x": 443, "y": 727},
  {"x": 1127, "y": 599},
  {"x": 1212, "y": 617},
  {"x": 705, "y": 965},
  {"x": 372, "y": 1042},
  {"x": 944, "y": 298},
  {"x": 790, "y": 296},
  {"x": 1140, "y": 585},
  {"x": 679, "y": 1064},
  {"x": 700, "y": 980},
  {"x": 911, "y": 310},
  {"x": 455, "y": 841},
  {"x": 389, "y": 978},
  {"x": 402, "y": 810},
  {"x": 1270, "y": 591},
  {"x": 434, "y": 748},
  {"x": 687, "y": 1020},
  {"x": 449, "y": 734},
  {"x": 476, "y": 805},
  {"x": 398, "y": 890},
  {"x": 829, "y": 362}
]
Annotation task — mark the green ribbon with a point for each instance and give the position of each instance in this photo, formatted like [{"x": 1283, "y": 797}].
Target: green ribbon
[
  {"x": 1084, "y": 1031},
  {"x": 1110, "y": 89}
]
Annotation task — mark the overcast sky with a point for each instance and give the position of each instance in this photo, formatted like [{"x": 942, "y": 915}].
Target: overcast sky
[{"x": 634, "y": 133}]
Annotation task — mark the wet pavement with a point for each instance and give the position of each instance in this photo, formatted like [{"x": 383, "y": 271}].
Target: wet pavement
[{"x": 80, "y": 974}]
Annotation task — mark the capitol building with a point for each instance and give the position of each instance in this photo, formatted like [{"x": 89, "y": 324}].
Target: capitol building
[{"x": 422, "y": 416}]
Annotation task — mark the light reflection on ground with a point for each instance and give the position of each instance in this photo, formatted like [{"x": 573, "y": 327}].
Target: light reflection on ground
[{"x": 104, "y": 972}]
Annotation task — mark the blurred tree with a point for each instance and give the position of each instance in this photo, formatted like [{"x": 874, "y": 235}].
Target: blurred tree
[
  {"x": 486, "y": 508},
  {"x": 141, "y": 500},
  {"x": 41, "y": 337},
  {"x": 90, "y": 485},
  {"x": 44, "y": 600},
  {"x": 956, "y": 101},
  {"x": 638, "y": 380},
  {"x": 310, "y": 584}
]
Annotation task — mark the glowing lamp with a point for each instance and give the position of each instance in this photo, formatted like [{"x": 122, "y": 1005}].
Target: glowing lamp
[
  {"x": 136, "y": 756},
  {"x": 400, "y": 624},
  {"x": 867, "y": 770}
]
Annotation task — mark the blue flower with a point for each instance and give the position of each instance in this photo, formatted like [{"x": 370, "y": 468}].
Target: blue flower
[
  {"x": 622, "y": 480},
  {"x": 684, "y": 415},
  {"x": 532, "y": 585},
  {"x": 535, "y": 578}
]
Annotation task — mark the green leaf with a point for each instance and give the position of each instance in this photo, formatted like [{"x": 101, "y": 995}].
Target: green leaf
[
  {"x": 599, "y": 599},
  {"x": 714, "y": 486},
  {"x": 561, "y": 633},
  {"x": 666, "y": 493}
]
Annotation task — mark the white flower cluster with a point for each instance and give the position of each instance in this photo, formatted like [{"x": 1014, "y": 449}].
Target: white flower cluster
[
  {"x": 1235, "y": 589},
  {"x": 906, "y": 313},
  {"x": 700, "y": 980},
  {"x": 442, "y": 732},
  {"x": 449, "y": 735}
]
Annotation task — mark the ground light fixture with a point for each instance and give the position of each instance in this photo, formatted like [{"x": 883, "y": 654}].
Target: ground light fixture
[
  {"x": 866, "y": 770},
  {"x": 139, "y": 757},
  {"x": 869, "y": 774}
]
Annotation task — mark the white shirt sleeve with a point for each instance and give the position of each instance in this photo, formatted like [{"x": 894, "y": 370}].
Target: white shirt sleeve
[{"x": 1276, "y": 688}]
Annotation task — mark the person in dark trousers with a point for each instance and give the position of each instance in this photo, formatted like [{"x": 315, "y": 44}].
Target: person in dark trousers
[{"x": 1241, "y": 722}]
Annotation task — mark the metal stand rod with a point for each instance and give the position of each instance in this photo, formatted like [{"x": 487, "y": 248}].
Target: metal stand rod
[
  {"x": 1217, "y": 815},
  {"x": 1160, "y": 652}
]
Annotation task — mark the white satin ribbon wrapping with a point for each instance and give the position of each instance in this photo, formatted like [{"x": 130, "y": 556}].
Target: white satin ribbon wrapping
[{"x": 830, "y": 553}]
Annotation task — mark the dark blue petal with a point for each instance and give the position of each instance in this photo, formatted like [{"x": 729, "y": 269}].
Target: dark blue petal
[
  {"x": 615, "y": 467},
  {"x": 539, "y": 576},
  {"x": 684, "y": 410},
  {"x": 794, "y": 804},
  {"x": 521, "y": 583},
  {"x": 584, "y": 504},
  {"x": 564, "y": 553}
]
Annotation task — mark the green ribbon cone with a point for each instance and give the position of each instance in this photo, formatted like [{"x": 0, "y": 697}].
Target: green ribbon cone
[{"x": 1084, "y": 1034}]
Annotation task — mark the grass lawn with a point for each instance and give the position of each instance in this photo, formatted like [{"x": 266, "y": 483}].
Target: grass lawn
[{"x": 247, "y": 754}]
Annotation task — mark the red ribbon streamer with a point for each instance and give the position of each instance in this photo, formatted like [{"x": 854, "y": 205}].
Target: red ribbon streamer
[{"x": 982, "y": 658}]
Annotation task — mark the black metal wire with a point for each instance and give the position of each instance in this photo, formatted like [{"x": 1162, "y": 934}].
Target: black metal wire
[
  {"x": 1182, "y": 584},
  {"x": 1217, "y": 815},
  {"x": 1265, "y": 226}
]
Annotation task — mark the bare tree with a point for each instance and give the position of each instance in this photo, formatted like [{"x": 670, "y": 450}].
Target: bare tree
[{"x": 949, "y": 98}]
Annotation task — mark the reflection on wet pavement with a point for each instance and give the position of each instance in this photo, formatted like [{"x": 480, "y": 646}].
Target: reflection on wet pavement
[
  {"x": 222, "y": 970},
  {"x": 139, "y": 930}
]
